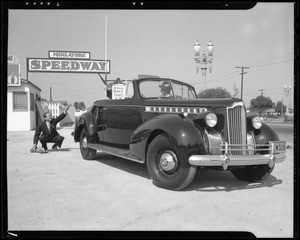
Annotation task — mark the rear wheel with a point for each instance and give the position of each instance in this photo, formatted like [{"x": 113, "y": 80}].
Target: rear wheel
[
  {"x": 252, "y": 173},
  {"x": 86, "y": 152},
  {"x": 167, "y": 168}
]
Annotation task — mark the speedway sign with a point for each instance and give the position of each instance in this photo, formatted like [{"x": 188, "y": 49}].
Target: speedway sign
[{"x": 68, "y": 65}]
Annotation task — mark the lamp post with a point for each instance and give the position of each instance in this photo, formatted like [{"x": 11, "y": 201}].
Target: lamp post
[
  {"x": 287, "y": 92},
  {"x": 204, "y": 59}
]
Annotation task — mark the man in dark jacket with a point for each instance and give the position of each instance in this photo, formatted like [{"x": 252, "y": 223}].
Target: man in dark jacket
[{"x": 49, "y": 132}]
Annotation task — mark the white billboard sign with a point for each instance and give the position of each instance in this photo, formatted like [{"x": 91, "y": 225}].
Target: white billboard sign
[
  {"x": 66, "y": 65},
  {"x": 69, "y": 54}
]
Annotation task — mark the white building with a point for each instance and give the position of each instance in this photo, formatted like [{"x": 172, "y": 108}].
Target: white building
[
  {"x": 21, "y": 108},
  {"x": 25, "y": 109}
]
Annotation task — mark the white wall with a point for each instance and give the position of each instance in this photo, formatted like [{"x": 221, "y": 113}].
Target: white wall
[{"x": 20, "y": 120}]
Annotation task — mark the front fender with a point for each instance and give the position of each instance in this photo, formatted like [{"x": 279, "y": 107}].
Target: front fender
[
  {"x": 265, "y": 134},
  {"x": 182, "y": 132},
  {"x": 86, "y": 121}
]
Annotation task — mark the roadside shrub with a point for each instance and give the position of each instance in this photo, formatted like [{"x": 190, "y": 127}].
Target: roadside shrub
[{"x": 288, "y": 118}]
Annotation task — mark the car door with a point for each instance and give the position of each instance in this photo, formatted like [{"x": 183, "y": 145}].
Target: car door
[{"x": 119, "y": 120}]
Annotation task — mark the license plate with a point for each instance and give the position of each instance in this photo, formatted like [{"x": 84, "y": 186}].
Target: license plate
[{"x": 279, "y": 146}]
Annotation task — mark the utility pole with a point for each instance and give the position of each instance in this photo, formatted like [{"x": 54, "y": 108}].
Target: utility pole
[
  {"x": 261, "y": 91},
  {"x": 51, "y": 94},
  {"x": 242, "y": 73},
  {"x": 281, "y": 108}
]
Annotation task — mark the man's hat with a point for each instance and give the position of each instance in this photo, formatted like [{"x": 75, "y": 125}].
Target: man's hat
[{"x": 166, "y": 86}]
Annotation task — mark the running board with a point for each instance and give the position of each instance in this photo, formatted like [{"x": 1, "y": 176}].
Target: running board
[{"x": 118, "y": 152}]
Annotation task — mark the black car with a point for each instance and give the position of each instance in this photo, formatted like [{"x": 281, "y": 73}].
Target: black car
[{"x": 161, "y": 123}]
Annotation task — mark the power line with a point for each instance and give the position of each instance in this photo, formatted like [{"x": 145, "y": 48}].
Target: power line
[
  {"x": 222, "y": 77},
  {"x": 271, "y": 63},
  {"x": 252, "y": 66},
  {"x": 277, "y": 58}
]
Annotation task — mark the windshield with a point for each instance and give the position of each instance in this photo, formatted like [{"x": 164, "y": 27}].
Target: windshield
[{"x": 165, "y": 89}]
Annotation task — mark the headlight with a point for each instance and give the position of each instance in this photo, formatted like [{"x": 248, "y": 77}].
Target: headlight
[
  {"x": 256, "y": 122},
  {"x": 211, "y": 119}
]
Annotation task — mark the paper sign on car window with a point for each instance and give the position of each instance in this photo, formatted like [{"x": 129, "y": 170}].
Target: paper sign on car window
[{"x": 118, "y": 91}]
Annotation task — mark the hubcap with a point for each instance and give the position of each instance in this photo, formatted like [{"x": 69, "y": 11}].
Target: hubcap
[
  {"x": 168, "y": 161},
  {"x": 84, "y": 142}
]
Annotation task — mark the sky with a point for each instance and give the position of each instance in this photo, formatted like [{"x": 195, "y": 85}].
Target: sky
[{"x": 161, "y": 43}]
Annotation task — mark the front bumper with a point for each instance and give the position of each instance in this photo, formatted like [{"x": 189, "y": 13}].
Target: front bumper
[{"x": 250, "y": 156}]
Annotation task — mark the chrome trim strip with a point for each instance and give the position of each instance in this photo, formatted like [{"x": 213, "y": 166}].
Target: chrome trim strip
[
  {"x": 275, "y": 155},
  {"x": 271, "y": 147},
  {"x": 237, "y": 104},
  {"x": 236, "y": 160},
  {"x": 240, "y": 117},
  {"x": 121, "y": 153},
  {"x": 173, "y": 109}
]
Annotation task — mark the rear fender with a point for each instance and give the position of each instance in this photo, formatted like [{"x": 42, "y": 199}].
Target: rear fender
[{"x": 182, "y": 132}]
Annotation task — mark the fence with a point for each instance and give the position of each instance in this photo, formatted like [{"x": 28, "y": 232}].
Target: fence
[{"x": 56, "y": 108}]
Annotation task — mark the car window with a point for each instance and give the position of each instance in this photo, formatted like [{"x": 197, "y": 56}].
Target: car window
[
  {"x": 165, "y": 89},
  {"x": 182, "y": 91},
  {"x": 150, "y": 89}
]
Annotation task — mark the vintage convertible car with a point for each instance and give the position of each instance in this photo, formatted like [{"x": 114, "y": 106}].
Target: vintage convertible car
[{"x": 173, "y": 133}]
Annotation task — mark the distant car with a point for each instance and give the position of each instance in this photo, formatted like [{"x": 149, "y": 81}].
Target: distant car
[{"x": 174, "y": 135}]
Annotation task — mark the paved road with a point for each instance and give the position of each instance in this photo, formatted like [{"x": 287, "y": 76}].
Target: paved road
[{"x": 61, "y": 191}]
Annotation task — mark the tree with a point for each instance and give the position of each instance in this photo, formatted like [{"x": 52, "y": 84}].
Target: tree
[
  {"x": 278, "y": 107},
  {"x": 261, "y": 103},
  {"x": 218, "y": 92}
]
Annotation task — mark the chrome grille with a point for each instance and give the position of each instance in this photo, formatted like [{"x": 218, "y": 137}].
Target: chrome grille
[{"x": 237, "y": 127}]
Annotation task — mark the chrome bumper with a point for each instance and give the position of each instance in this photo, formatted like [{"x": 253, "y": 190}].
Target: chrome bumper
[{"x": 275, "y": 155}]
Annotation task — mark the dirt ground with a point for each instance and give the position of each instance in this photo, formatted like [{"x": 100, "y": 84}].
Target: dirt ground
[{"x": 60, "y": 191}]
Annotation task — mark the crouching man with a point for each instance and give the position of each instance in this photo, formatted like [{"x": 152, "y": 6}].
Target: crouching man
[{"x": 49, "y": 132}]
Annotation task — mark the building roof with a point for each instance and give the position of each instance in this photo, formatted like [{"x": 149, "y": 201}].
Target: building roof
[{"x": 31, "y": 84}]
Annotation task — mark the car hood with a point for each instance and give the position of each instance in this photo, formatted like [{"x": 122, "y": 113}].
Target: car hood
[{"x": 219, "y": 102}]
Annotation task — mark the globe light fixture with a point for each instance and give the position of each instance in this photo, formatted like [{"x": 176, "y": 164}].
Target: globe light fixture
[{"x": 203, "y": 59}]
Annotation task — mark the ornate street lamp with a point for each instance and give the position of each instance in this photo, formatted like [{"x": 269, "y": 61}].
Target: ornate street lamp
[
  {"x": 204, "y": 59},
  {"x": 287, "y": 92}
]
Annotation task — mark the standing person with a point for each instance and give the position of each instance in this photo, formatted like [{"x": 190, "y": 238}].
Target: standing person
[{"x": 49, "y": 132}]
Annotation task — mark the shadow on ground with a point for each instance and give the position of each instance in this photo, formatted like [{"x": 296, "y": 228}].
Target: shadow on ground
[
  {"x": 205, "y": 180},
  {"x": 214, "y": 181},
  {"x": 123, "y": 164},
  {"x": 61, "y": 150}
]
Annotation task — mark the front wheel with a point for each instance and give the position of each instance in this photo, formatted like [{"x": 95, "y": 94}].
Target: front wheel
[
  {"x": 252, "y": 173},
  {"x": 166, "y": 167},
  {"x": 86, "y": 152}
]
